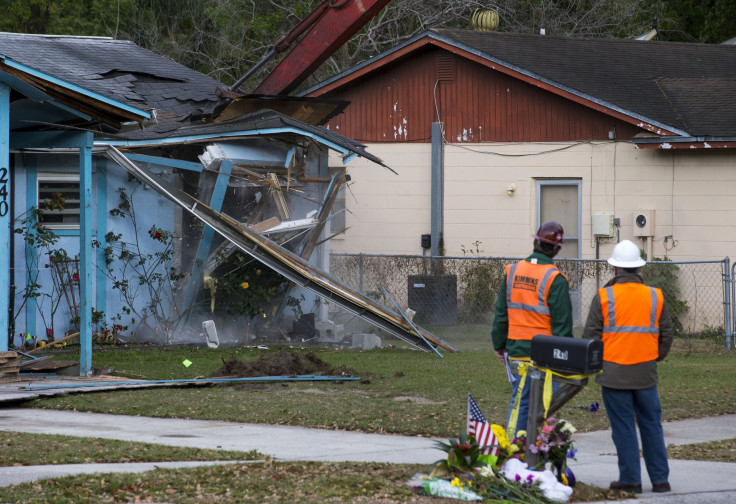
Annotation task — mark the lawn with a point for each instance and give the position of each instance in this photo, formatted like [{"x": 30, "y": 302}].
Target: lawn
[{"x": 400, "y": 391}]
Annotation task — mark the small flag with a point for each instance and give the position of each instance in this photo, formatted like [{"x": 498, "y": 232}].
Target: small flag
[
  {"x": 187, "y": 363},
  {"x": 479, "y": 427}
]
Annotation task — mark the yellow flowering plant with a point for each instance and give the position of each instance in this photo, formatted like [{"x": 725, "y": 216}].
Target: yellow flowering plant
[
  {"x": 243, "y": 288},
  {"x": 509, "y": 448}
]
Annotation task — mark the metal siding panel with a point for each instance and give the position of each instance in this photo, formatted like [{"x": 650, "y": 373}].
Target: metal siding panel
[{"x": 495, "y": 106}]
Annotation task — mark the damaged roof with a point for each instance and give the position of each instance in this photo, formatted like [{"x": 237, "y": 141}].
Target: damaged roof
[
  {"x": 75, "y": 70},
  {"x": 681, "y": 88},
  {"x": 116, "y": 69},
  {"x": 262, "y": 123}
]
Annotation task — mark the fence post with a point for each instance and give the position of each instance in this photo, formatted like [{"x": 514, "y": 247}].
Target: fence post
[{"x": 360, "y": 273}]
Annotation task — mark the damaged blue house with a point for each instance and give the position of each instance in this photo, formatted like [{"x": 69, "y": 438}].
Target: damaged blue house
[{"x": 141, "y": 198}]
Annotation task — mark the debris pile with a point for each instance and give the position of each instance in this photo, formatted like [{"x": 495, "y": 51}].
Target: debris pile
[{"x": 282, "y": 363}]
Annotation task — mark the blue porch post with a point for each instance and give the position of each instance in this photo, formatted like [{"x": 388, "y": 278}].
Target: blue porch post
[
  {"x": 100, "y": 232},
  {"x": 31, "y": 258},
  {"x": 5, "y": 217},
  {"x": 85, "y": 255}
]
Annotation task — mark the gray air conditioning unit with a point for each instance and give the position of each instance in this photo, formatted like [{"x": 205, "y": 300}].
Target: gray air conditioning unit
[{"x": 434, "y": 299}]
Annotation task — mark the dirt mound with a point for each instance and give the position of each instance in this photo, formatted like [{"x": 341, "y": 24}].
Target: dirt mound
[{"x": 282, "y": 363}]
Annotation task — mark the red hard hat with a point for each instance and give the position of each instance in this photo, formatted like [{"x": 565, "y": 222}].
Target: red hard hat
[{"x": 550, "y": 232}]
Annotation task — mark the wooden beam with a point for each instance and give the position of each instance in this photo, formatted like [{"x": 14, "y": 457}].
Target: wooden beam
[
  {"x": 278, "y": 197},
  {"x": 323, "y": 214}
]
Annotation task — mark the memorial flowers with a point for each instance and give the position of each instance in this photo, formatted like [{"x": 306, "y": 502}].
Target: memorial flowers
[{"x": 554, "y": 444}]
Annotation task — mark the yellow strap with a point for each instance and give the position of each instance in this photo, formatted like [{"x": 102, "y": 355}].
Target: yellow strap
[
  {"x": 511, "y": 427},
  {"x": 546, "y": 394}
]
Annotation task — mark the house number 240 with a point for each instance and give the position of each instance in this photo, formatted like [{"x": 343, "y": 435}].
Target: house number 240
[{"x": 3, "y": 192}]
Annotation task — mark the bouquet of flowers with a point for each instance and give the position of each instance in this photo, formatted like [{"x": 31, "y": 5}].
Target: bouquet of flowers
[
  {"x": 554, "y": 444},
  {"x": 463, "y": 455},
  {"x": 508, "y": 449}
]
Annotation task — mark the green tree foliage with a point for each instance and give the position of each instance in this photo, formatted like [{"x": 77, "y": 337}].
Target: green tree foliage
[
  {"x": 709, "y": 21},
  {"x": 225, "y": 38}
]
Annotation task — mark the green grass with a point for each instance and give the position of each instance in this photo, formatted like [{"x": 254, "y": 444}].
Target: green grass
[
  {"x": 305, "y": 483},
  {"x": 19, "y": 449},
  {"x": 718, "y": 451},
  {"x": 401, "y": 391}
]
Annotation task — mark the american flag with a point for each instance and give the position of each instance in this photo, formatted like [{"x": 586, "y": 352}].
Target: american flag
[{"x": 479, "y": 427}]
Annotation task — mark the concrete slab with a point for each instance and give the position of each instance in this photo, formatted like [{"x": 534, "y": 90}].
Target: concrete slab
[{"x": 276, "y": 441}]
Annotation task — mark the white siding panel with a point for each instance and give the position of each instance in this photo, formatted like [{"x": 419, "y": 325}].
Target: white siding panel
[{"x": 693, "y": 194}]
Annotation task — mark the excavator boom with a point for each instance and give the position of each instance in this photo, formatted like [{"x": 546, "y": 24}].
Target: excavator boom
[{"x": 328, "y": 27}]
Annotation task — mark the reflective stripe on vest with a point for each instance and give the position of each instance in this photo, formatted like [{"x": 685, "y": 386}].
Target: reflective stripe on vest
[
  {"x": 527, "y": 301},
  {"x": 631, "y": 314}
]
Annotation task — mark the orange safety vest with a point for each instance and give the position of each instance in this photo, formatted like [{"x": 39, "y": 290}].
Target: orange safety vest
[
  {"x": 631, "y": 314},
  {"x": 527, "y": 286}
]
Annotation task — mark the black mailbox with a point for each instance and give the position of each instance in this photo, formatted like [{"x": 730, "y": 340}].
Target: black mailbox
[{"x": 567, "y": 355}]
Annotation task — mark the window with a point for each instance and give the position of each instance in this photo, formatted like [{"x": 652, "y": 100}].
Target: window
[
  {"x": 559, "y": 200},
  {"x": 58, "y": 200}
]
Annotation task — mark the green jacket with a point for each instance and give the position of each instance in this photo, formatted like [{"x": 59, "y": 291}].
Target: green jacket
[{"x": 560, "y": 309}]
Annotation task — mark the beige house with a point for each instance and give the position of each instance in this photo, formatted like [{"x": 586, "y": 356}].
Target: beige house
[{"x": 616, "y": 139}]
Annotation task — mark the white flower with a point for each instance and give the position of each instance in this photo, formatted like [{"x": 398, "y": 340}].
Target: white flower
[
  {"x": 486, "y": 471},
  {"x": 568, "y": 428}
]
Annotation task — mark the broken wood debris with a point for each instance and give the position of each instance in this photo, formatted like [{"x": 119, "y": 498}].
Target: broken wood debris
[
  {"x": 266, "y": 224},
  {"x": 281, "y": 260},
  {"x": 281, "y": 205},
  {"x": 324, "y": 212},
  {"x": 195, "y": 381},
  {"x": 65, "y": 339},
  {"x": 9, "y": 367}
]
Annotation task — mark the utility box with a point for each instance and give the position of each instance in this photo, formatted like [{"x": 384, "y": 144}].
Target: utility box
[
  {"x": 643, "y": 223},
  {"x": 603, "y": 225},
  {"x": 433, "y": 298}
]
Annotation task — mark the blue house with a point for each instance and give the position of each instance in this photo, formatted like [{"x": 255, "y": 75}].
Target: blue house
[{"x": 131, "y": 186}]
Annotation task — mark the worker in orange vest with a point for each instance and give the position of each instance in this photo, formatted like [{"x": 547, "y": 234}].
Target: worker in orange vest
[
  {"x": 633, "y": 321},
  {"x": 534, "y": 299}
]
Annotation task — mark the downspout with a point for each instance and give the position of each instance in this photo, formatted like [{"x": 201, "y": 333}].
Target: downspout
[{"x": 438, "y": 189}]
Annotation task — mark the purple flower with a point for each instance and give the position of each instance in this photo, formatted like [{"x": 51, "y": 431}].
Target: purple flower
[{"x": 593, "y": 407}]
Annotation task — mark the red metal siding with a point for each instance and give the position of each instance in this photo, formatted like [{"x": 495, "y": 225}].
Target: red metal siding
[{"x": 396, "y": 103}]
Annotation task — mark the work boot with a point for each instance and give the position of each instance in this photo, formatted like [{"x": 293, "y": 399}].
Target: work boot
[
  {"x": 661, "y": 487},
  {"x": 626, "y": 487}
]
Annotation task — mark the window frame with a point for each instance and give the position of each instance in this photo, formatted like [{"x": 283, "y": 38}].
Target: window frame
[{"x": 60, "y": 178}]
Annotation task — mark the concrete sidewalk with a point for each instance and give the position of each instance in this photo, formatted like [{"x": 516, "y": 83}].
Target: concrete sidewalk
[{"x": 596, "y": 461}]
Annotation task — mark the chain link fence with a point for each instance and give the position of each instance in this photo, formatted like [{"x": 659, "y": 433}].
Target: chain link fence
[{"x": 450, "y": 295}]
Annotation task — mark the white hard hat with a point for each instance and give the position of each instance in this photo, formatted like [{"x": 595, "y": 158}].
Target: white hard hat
[{"x": 626, "y": 255}]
